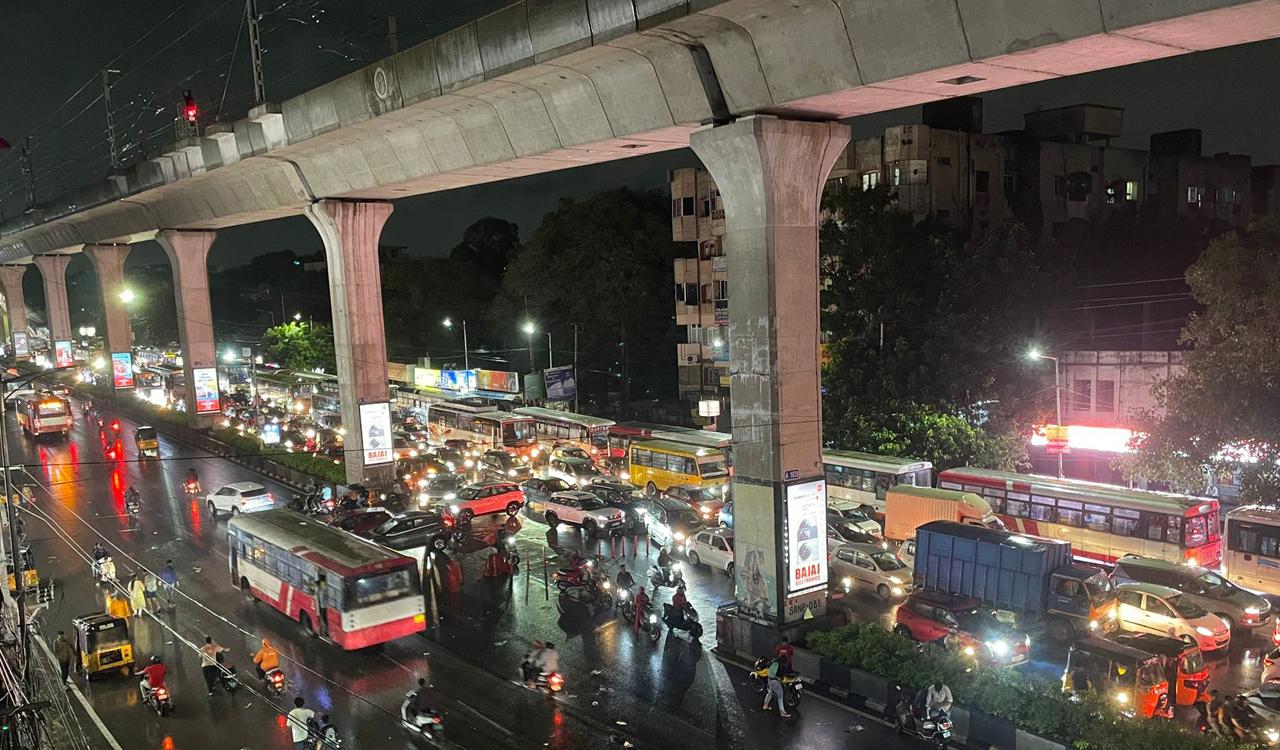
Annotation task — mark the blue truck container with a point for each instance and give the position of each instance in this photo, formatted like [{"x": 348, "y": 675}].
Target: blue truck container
[{"x": 1028, "y": 575}]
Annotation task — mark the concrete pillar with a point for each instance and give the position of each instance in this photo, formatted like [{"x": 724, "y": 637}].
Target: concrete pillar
[
  {"x": 771, "y": 175},
  {"x": 189, "y": 258},
  {"x": 11, "y": 283},
  {"x": 53, "y": 269},
  {"x": 108, "y": 261},
  {"x": 350, "y": 231}
]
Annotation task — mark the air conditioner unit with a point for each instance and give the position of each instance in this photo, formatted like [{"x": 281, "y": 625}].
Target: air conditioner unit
[{"x": 691, "y": 359}]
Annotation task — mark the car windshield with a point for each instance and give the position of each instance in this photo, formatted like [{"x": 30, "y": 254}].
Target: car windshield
[
  {"x": 381, "y": 587},
  {"x": 574, "y": 453},
  {"x": 555, "y": 484},
  {"x": 853, "y": 514},
  {"x": 1216, "y": 584},
  {"x": 449, "y": 455},
  {"x": 444, "y": 482},
  {"x": 887, "y": 561},
  {"x": 682, "y": 517},
  {"x": 387, "y": 526},
  {"x": 1186, "y": 607},
  {"x": 978, "y": 621},
  {"x": 504, "y": 460},
  {"x": 590, "y": 503}
]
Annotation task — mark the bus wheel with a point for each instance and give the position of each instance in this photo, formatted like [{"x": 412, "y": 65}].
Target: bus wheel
[
  {"x": 304, "y": 620},
  {"x": 651, "y": 489}
]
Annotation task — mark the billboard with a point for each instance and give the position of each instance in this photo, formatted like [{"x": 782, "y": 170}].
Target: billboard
[
  {"x": 426, "y": 377},
  {"x": 62, "y": 354},
  {"x": 205, "y": 382},
  {"x": 20, "y": 346},
  {"x": 375, "y": 433},
  {"x": 458, "y": 380},
  {"x": 806, "y": 535},
  {"x": 562, "y": 384},
  {"x": 498, "y": 381},
  {"x": 122, "y": 369}
]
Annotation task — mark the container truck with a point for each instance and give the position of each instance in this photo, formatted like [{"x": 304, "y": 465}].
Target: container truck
[{"x": 1037, "y": 579}]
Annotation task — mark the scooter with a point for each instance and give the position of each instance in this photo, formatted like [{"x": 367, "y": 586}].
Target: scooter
[
  {"x": 686, "y": 627},
  {"x": 275, "y": 680},
  {"x": 673, "y": 578},
  {"x": 132, "y": 505},
  {"x": 548, "y": 682},
  {"x": 567, "y": 578},
  {"x": 915, "y": 719},
  {"x": 596, "y": 597},
  {"x": 158, "y": 699},
  {"x": 429, "y": 725},
  {"x": 792, "y": 687},
  {"x": 227, "y": 676},
  {"x": 192, "y": 487}
]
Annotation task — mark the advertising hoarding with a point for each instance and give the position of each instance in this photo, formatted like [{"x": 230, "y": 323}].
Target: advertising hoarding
[
  {"x": 62, "y": 354},
  {"x": 375, "y": 433},
  {"x": 122, "y": 369},
  {"x": 458, "y": 380},
  {"x": 562, "y": 384},
  {"x": 806, "y": 535},
  {"x": 21, "y": 348},
  {"x": 205, "y": 380},
  {"x": 498, "y": 381}
]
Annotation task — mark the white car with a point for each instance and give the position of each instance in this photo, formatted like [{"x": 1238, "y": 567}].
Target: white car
[
  {"x": 907, "y": 554},
  {"x": 1148, "y": 608},
  {"x": 856, "y": 513},
  {"x": 582, "y": 509},
  {"x": 240, "y": 497},
  {"x": 870, "y": 568},
  {"x": 715, "y": 548},
  {"x": 1271, "y": 668}
]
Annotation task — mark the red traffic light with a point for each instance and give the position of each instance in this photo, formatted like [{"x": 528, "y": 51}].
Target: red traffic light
[{"x": 189, "y": 109}]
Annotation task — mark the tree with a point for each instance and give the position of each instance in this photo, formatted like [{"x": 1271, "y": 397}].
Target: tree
[
  {"x": 489, "y": 244},
  {"x": 1225, "y": 404},
  {"x": 605, "y": 265},
  {"x": 927, "y": 334},
  {"x": 300, "y": 346}
]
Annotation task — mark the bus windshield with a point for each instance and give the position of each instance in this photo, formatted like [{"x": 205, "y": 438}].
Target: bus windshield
[
  {"x": 381, "y": 587},
  {"x": 713, "y": 466},
  {"x": 519, "y": 433}
]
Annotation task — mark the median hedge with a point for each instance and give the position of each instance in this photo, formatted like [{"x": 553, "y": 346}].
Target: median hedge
[{"x": 1031, "y": 704}]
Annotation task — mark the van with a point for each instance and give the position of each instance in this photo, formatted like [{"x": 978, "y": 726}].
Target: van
[
  {"x": 1243, "y": 610},
  {"x": 656, "y": 465},
  {"x": 907, "y": 508}
]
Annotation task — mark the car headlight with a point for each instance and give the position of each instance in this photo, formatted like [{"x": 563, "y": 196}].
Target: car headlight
[
  {"x": 453, "y": 509},
  {"x": 897, "y": 591},
  {"x": 626, "y": 475},
  {"x": 1093, "y": 624},
  {"x": 896, "y": 580},
  {"x": 998, "y": 647},
  {"x": 848, "y": 582},
  {"x": 470, "y": 463},
  {"x": 1252, "y": 611},
  {"x": 451, "y": 496},
  {"x": 678, "y": 535},
  {"x": 1202, "y": 630},
  {"x": 422, "y": 498},
  {"x": 1122, "y": 698}
]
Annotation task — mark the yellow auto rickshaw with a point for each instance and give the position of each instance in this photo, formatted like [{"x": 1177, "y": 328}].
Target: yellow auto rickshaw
[
  {"x": 145, "y": 439},
  {"x": 30, "y": 579},
  {"x": 102, "y": 644}
]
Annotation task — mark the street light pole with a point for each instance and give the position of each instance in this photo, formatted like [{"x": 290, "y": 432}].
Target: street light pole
[
  {"x": 466, "y": 352},
  {"x": 1057, "y": 393},
  {"x": 550, "y": 359},
  {"x": 577, "y": 379}
]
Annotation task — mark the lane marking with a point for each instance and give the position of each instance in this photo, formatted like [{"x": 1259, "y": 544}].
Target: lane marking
[
  {"x": 84, "y": 702},
  {"x": 491, "y": 722},
  {"x": 398, "y": 664}
]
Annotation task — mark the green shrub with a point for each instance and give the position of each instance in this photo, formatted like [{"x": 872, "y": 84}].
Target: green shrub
[{"x": 1034, "y": 705}]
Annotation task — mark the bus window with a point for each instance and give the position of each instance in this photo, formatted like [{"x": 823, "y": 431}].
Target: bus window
[
  {"x": 882, "y": 483},
  {"x": 924, "y": 478},
  {"x": 1154, "y": 526},
  {"x": 1175, "y": 530},
  {"x": 713, "y": 467}
]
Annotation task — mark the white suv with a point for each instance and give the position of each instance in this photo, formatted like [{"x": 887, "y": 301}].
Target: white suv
[
  {"x": 580, "y": 508},
  {"x": 240, "y": 497}
]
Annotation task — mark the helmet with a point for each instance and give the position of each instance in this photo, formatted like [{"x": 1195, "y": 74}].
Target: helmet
[
  {"x": 155, "y": 659},
  {"x": 266, "y": 643}
]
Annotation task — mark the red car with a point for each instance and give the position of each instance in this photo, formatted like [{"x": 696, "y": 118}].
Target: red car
[
  {"x": 360, "y": 521},
  {"x": 927, "y": 617},
  {"x": 705, "y": 501},
  {"x": 486, "y": 498}
]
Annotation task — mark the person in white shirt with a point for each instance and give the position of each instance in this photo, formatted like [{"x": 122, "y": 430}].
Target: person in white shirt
[
  {"x": 939, "y": 698},
  {"x": 300, "y": 724},
  {"x": 549, "y": 659}
]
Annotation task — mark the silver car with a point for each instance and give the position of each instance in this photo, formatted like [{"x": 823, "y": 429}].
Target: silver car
[
  {"x": 1243, "y": 610},
  {"x": 871, "y": 568}
]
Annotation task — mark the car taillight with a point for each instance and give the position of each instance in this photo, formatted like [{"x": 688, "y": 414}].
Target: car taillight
[{"x": 270, "y": 496}]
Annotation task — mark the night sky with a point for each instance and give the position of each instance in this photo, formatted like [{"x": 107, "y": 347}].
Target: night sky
[{"x": 51, "y": 89}]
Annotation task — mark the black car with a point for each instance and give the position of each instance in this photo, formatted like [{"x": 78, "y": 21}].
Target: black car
[
  {"x": 503, "y": 467},
  {"x": 416, "y": 528},
  {"x": 538, "y": 490},
  {"x": 669, "y": 522},
  {"x": 619, "y": 494}
]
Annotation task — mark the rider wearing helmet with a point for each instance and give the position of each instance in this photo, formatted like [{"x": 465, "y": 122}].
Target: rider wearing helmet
[
  {"x": 153, "y": 674},
  {"x": 266, "y": 659}
]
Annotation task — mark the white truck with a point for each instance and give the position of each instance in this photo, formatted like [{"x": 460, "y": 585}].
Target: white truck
[{"x": 907, "y": 508}]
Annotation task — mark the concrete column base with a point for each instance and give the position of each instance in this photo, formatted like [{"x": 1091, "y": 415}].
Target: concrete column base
[
  {"x": 189, "y": 258},
  {"x": 11, "y": 284},
  {"x": 350, "y": 231},
  {"x": 53, "y": 269},
  {"x": 108, "y": 262},
  {"x": 771, "y": 174}
]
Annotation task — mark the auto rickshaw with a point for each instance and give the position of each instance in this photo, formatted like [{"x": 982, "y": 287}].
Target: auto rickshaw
[
  {"x": 30, "y": 579},
  {"x": 1184, "y": 665},
  {"x": 1133, "y": 679},
  {"x": 102, "y": 644},
  {"x": 145, "y": 439}
]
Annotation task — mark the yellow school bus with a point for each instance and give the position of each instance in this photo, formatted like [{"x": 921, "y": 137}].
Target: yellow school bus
[{"x": 659, "y": 464}]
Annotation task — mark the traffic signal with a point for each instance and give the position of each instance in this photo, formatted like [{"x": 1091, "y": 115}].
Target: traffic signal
[{"x": 189, "y": 109}]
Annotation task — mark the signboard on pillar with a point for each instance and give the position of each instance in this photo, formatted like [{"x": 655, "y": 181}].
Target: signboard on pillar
[
  {"x": 805, "y": 606},
  {"x": 63, "y": 357},
  {"x": 375, "y": 433},
  {"x": 21, "y": 347},
  {"x": 806, "y": 538},
  {"x": 122, "y": 370},
  {"x": 205, "y": 382}
]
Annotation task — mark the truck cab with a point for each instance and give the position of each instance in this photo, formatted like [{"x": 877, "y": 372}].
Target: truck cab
[{"x": 1083, "y": 600}]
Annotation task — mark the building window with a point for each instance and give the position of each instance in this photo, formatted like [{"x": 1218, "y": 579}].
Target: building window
[
  {"x": 704, "y": 208},
  {"x": 1111, "y": 193},
  {"x": 1227, "y": 194},
  {"x": 1079, "y": 185},
  {"x": 870, "y": 179},
  {"x": 1195, "y": 194},
  {"x": 1131, "y": 191},
  {"x": 944, "y": 161},
  {"x": 694, "y": 334},
  {"x": 687, "y": 294},
  {"x": 722, "y": 290},
  {"x": 1106, "y": 398},
  {"x": 706, "y": 293},
  {"x": 1082, "y": 395},
  {"x": 897, "y": 176},
  {"x": 982, "y": 181},
  {"x": 1010, "y": 184},
  {"x": 1059, "y": 185},
  {"x": 680, "y": 293}
]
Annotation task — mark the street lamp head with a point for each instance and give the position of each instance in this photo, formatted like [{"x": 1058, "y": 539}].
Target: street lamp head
[
  {"x": 530, "y": 328},
  {"x": 297, "y": 316},
  {"x": 1034, "y": 353},
  {"x": 447, "y": 323},
  {"x": 127, "y": 296}
]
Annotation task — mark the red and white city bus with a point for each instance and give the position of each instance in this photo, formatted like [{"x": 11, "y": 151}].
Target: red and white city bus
[
  {"x": 482, "y": 425},
  {"x": 1102, "y": 521},
  {"x": 371, "y": 594},
  {"x": 44, "y": 414},
  {"x": 556, "y": 428}
]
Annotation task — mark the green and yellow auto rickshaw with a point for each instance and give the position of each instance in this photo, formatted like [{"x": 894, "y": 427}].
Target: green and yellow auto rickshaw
[
  {"x": 30, "y": 579},
  {"x": 103, "y": 644},
  {"x": 145, "y": 439}
]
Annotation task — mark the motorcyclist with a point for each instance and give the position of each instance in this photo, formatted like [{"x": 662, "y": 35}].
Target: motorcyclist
[
  {"x": 99, "y": 552},
  {"x": 192, "y": 480},
  {"x": 132, "y": 496},
  {"x": 664, "y": 564},
  {"x": 421, "y": 702},
  {"x": 548, "y": 661},
  {"x": 679, "y": 600},
  {"x": 529, "y": 667},
  {"x": 266, "y": 659},
  {"x": 153, "y": 675},
  {"x": 642, "y": 605},
  {"x": 624, "y": 580},
  {"x": 938, "y": 699}
]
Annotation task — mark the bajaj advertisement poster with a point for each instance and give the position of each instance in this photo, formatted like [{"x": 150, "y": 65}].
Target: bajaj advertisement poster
[
  {"x": 122, "y": 369},
  {"x": 375, "y": 431},
  {"x": 20, "y": 346},
  {"x": 806, "y": 535},
  {"x": 206, "y": 384},
  {"x": 62, "y": 356}
]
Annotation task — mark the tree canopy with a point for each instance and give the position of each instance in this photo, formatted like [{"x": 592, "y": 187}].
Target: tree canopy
[
  {"x": 300, "y": 346},
  {"x": 1222, "y": 412}
]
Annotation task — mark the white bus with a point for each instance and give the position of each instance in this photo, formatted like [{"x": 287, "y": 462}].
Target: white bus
[
  {"x": 483, "y": 425},
  {"x": 863, "y": 478},
  {"x": 1252, "y": 555},
  {"x": 555, "y": 427}
]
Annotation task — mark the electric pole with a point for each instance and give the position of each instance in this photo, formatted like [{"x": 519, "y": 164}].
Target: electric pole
[
  {"x": 28, "y": 174},
  {"x": 577, "y": 378},
  {"x": 255, "y": 52},
  {"x": 111, "y": 121}
]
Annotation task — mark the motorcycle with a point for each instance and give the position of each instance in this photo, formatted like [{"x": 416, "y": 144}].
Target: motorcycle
[
  {"x": 227, "y": 676},
  {"x": 792, "y": 687},
  {"x": 429, "y": 725},
  {"x": 915, "y": 719},
  {"x": 157, "y": 698},
  {"x": 192, "y": 487},
  {"x": 672, "y": 577},
  {"x": 275, "y": 680},
  {"x": 596, "y": 596},
  {"x": 567, "y": 578},
  {"x": 683, "y": 625},
  {"x": 548, "y": 682},
  {"x": 132, "y": 504}
]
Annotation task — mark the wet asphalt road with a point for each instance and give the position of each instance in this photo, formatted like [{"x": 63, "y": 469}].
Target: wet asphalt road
[{"x": 620, "y": 689}]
